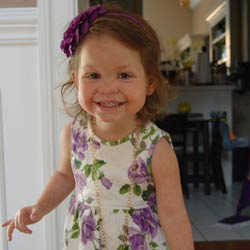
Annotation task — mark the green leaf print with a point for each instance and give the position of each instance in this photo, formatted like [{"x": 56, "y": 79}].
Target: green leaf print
[
  {"x": 123, "y": 247},
  {"x": 94, "y": 174},
  {"x": 153, "y": 245},
  {"x": 124, "y": 189},
  {"x": 101, "y": 175},
  {"x": 76, "y": 215},
  {"x": 75, "y": 235},
  {"x": 115, "y": 211},
  {"x": 146, "y": 193},
  {"x": 131, "y": 210},
  {"x": 137, "y": 190},
  {"x": 152, "y": 131},
  {"x": 148, "y": 166},
  {"x": 78, "y": 164},
  {"x": 87, "y": 170},
  {"x": 125, "y": 139},
  {"x": 75, "y": 226},
  {"x": 113, "y": 143},
  {"x": 99, "y": 163},
  {"x": 89, "y": 200},
  {"x": 168, "y": 138},
  {"x": 156, "y": 139},
  {"x": 143, "y": 145}
]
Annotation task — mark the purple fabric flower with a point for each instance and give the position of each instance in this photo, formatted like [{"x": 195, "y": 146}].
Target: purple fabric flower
[
  {"x": 88, "y": 227},
  {"x": 80, "y": 180},
  {"x": 137, "y": 239},
  {"x": 106, "y": 182},
  {"x": 79, "y": 27},
  {"x": 146, "y": 221},
  {"x": 79, "y": 143},
  {"x": 137, "y": 173}
]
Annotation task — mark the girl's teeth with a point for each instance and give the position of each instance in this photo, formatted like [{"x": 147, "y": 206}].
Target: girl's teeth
[{"x": 109, "y": 104}]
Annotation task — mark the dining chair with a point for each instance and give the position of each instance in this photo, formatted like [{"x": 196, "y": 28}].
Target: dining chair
[{"x": 175, "y": 125}]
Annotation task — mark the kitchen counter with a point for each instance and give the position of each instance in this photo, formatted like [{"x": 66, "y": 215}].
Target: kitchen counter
[{"x": 205, "y": 87}]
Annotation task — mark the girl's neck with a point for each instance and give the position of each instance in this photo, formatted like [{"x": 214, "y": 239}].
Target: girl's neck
[{"x": 114, "y": 131}]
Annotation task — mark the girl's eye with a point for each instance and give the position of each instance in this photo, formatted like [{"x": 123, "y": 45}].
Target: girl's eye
[
  {"x": 124, "y": 76},
  {"x": 93, "y": 76}
]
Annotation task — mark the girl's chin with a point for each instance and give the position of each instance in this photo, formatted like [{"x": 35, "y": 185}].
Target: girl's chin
[{"x": 115, "y": 118}]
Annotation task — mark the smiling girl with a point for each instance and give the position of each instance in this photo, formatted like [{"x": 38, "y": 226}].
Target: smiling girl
[{"x": 120, "y": 166}]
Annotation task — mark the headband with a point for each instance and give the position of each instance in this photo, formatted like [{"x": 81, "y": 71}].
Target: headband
[{"x": 80, "y": 25}]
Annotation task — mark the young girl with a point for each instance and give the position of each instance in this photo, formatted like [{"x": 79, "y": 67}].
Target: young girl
[{"x": 122, "y": 168}]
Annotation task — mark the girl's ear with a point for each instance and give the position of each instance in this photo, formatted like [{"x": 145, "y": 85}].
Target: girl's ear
[
  {"x": 74, "y": 78},
  {"x": 150, "y": 88}
]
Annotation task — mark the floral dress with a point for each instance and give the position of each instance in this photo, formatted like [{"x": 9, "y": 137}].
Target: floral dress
[{"x": 113, "y": 174}]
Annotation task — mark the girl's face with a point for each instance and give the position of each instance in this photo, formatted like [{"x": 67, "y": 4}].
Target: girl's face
[{"x": 111, "y": 81}]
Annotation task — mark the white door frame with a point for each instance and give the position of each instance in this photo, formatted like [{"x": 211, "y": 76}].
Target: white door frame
[
  {"x": 53, "y": 16},
  {"x": 3, "y": 213}
]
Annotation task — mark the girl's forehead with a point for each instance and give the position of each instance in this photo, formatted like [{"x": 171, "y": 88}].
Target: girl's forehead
[
  {"x": 107, "y": 45},
  {"x": 106, "y": 52},
  {"x": 101, "y": 37}
]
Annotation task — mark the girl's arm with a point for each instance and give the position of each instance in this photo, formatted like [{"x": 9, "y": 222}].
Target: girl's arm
[
  {"x": 62, "y": 181},
  {"x": 58, "y": 188},
  {"x": 170, "y": 204}
]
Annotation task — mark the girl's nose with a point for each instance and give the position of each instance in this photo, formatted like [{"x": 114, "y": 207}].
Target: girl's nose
[{"x": 108, "y": 86}]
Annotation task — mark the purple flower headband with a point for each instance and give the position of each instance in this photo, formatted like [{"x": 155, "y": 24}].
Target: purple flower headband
[{"x": 80, "y": 25}]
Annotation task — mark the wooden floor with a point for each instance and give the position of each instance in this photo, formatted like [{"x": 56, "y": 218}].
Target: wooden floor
[{"x": 223, "y": 245}]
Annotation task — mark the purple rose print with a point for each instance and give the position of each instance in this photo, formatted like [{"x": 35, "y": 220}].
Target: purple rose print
[
  {"x": 88, "y": 227},
  {"x": 79, "y": 143},
  {"x": 72, "y": 204},
  {"x": 151, "y": 149},
  {"x": 137, "y": 173},
  {"x": 80, "y": 180},
  {"x": 97, "y": 144},
  {"x": 81, "y": 208},
  {"x": 152, "y": 199},
  {"x": 106, "y": 182},
  {"x": 136, "y": 239},
  {"x": 75, "y": 204},
  {"x": 146, "y": 221},
  {"x": 78, "y": 28}
]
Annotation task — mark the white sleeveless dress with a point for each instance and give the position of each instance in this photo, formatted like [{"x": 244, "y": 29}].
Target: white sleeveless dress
[{"x": 113, "y": 173}]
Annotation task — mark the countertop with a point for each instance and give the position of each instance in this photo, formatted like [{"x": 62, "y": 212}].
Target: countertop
[{"x": 205, "y": 87}]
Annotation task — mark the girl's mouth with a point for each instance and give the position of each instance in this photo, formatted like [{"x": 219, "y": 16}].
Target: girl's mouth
[{"x": 110, "y": 104}]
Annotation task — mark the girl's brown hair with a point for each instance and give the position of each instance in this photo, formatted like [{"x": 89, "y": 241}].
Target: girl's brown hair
[{"x": 137, "y": 34}]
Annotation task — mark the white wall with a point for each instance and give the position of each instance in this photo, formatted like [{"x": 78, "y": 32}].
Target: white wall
[{"x": 19, "y": 63}]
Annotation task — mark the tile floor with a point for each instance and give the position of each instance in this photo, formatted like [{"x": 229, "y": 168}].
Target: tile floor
[{"x": 204, "y": 211}]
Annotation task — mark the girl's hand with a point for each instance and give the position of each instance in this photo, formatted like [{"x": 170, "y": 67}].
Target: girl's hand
[{"x": 25, "y": 216}]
